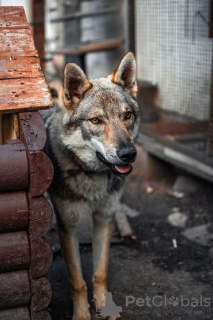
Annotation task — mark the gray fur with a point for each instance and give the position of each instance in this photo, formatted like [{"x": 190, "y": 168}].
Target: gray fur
[
  {"x": 71, "y": 136},
  {"x": 82, "y": 184}
]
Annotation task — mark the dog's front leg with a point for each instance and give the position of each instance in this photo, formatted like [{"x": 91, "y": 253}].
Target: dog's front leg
[
  {"x": 70, "y": 248},
  {"x": 101, "y": 243}
]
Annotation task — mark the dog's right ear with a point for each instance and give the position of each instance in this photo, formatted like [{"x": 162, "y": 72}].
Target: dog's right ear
[{"x": 75, "y": 86}]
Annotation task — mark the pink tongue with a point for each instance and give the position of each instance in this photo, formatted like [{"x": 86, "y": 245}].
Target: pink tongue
[{"x": 123, "y": 169}]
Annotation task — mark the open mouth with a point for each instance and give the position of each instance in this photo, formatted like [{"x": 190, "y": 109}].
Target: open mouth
[{"x": 117, "y": 169}]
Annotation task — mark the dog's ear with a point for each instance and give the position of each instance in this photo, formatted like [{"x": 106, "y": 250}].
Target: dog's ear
[
  {"x": 75, "y": 85},
  {"x": 125, "y": 74}
]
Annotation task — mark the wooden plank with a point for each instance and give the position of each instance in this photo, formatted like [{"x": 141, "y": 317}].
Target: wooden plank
[
  {"x": 41, "y": 257},
  {"x": 13, "y": 168},
  {"x": 18, "y": 95},
  {"x": 41, "y": 294},
  {"x": 177, "y": 127},
  {"x": 19, "y": 67},
  {"x": 109, "y": 44},
  {"x": 14, "y": 251},
  {"x": 13, "y": 211},
  {"x": 10, "y": 128},
  {"x": 13, "y": 17},
  {"x": 181, "y": 157},
  {"x": 33, "y": 131},
  {"x": 15, "y": 42},
  {"x": 80, "y": 14},
  {"x": 14, "y": 289},
  {"x": 21, "y": 313},
  {"x": 41, "y": 173}
]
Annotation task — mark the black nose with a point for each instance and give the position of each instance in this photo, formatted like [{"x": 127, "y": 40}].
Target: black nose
[{"x": 127, "y": 154}]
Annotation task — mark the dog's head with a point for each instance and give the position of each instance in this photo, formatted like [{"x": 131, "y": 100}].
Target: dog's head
[{"x": 102, "y": 117}]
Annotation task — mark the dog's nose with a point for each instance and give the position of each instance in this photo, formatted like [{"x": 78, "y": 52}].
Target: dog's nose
[{"x": 127, "y": 154}]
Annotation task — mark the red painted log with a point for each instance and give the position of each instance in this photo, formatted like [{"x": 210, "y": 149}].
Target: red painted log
[
  {"x": 14, "y": 251},
  {"x": 40, "y": 216},
  {"x": 33, "y": 131},
  {"x": 41, "y": 257},
  {"x": 39, "y": 228},
  {"x": 41, "y": 173},
  {"x": 13, "y": 212},
  {"x": 14, "y": 289},
  {"x": 41, "y": 294},
  {"x": 13, "y": 168},
  {"x": 40, "y": 208},
  {"x": 22, "y": 313}
]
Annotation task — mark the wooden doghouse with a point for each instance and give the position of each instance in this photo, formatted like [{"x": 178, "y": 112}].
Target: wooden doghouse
[{"x": 25, "y": 173}]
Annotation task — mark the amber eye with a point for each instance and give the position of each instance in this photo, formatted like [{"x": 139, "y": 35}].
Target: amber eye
[
  {"x": 96, "y": 120},
  {"x": 128, "y": 115}
]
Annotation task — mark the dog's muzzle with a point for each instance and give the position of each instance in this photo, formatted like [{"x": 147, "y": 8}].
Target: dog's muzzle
[{"x": 116, "y": 169}]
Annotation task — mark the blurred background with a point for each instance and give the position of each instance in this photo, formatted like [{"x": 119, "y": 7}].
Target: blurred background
[
  {"x": 172, "y": 42},
  {"x": 167, "y": 201}
]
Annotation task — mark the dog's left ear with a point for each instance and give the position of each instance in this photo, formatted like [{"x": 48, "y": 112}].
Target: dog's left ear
[
  {"x": 125, "y": 74},
  {"x": 76, "y": 85}
]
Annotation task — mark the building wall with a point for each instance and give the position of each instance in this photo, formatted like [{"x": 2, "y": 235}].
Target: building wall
[
  {"x": 174, "y": 50},
  {"x": 59, "y": 35}
]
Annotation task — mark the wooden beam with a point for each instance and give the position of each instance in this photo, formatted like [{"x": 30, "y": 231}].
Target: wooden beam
[
  {"x": 17, "y": 95},
  {"x": 32, "y": 130},
  {"x": 13, "y": 168},
  {"x": 13, "y": 211},
  {"x": 14, "y": 289},
  {"x": 38, "y": 27},
  {"x": 17, "y": 42},
  {"x": 131, "y": 25},
  {"x": 79, "y": 15},
  {"x": 106, "y": 45},
  {"x": 15, "y": 251},
  {"x": 20, "y": 67},
  {"x": 13, "y": 18}
]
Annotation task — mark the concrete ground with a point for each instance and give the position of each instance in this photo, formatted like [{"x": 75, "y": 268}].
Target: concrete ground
[{"x": 167, "y": 272}]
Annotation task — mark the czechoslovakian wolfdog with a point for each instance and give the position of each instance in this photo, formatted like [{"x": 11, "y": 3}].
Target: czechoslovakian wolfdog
[{"x": 91, "y": 144}]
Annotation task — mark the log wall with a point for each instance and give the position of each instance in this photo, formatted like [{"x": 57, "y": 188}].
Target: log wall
[
  {"x": 25, "y": 174},
  {"x": 25, "y": 216}
]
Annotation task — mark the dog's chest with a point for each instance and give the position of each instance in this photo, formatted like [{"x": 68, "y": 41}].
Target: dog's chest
[{"x": 92, "y": 188}]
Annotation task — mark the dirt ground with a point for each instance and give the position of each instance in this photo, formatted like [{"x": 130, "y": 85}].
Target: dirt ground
[{"x": 168, "y": 267}]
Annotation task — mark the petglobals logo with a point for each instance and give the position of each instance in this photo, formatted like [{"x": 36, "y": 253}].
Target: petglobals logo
[{"x": 164, "y": 301}]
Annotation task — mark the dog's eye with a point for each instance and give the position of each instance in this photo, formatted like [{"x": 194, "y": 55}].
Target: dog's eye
[
  {"x": 128, "y": 115},
  {"x": 96, "y": 120}
]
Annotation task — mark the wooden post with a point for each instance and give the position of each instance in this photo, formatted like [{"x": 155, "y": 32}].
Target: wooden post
[
  {"x": 130, "y": 30},
  {"x": 38, "y": 28},
  {"x": 210, "y": 129}
]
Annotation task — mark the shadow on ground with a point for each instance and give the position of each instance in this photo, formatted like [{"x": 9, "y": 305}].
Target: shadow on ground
[{"x": 168, "y": 267}]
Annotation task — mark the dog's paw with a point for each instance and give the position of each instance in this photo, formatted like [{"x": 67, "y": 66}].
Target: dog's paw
[
  {"x": 111, "y": 317},
  {"x": 81, "y": 315},
  {"x": 114, "y": 318}
]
